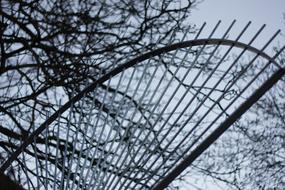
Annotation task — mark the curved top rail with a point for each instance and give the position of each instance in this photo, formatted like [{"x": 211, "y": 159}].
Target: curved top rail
[{"x": 143, "y": 57}]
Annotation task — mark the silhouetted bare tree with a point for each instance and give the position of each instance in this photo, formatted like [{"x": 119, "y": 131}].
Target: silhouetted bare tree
[{"x": 50, "y": 50}]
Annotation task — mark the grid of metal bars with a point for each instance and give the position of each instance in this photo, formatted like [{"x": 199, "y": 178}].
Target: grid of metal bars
[{"x": 135, "y": 125}]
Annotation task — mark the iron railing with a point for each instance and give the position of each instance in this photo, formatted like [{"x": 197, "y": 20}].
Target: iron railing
[{"x": 143, "y": 123}]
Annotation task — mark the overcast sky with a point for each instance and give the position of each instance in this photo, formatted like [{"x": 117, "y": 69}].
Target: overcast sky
[
  {"x": 269, "y": 12},
  {"x": 260, "y": 12}
]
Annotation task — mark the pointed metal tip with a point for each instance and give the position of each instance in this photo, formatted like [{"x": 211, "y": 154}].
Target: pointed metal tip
[{"x": 233, "y": 22}]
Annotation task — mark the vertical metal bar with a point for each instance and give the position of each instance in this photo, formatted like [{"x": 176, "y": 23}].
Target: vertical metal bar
[
  {"x": 46, "y": 156},
  {"x": 36, "y": 160},
  {"x": 56, "y": 152}
]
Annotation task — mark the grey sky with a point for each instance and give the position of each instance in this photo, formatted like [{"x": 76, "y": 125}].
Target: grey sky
[
  {"x": 269, "y": 12},
  {"x": 260, "y": 12}
]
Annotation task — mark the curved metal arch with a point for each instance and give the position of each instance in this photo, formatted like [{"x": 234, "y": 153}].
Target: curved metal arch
[{"x": 143, "y": 57}]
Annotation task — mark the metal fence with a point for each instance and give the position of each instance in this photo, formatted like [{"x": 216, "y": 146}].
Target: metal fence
[{"x": 143, "y": 123}]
